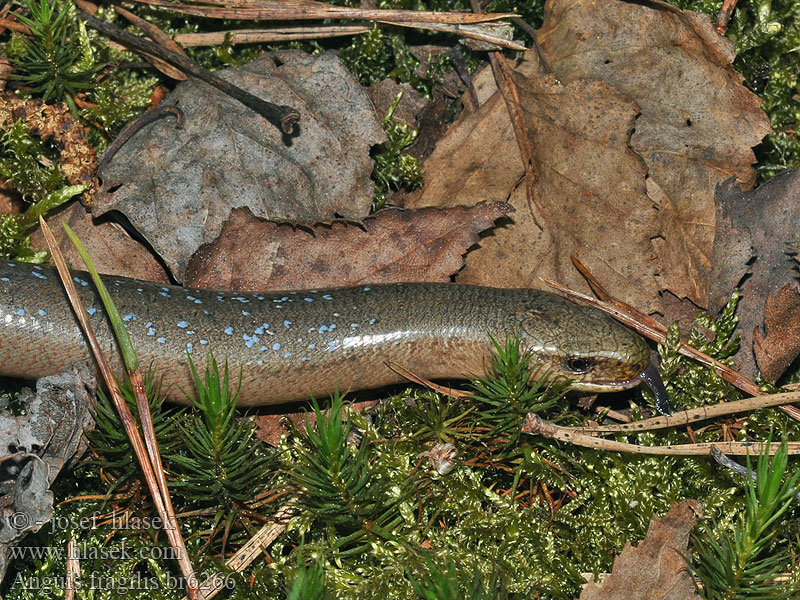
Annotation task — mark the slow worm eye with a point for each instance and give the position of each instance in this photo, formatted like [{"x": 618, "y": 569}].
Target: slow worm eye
[{"x": 577, "y": 365}]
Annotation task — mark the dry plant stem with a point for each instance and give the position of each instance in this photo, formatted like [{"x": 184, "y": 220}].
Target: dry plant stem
[
  {"x": 689, "y": 417},
  {"x": 250, "y": 551},
  {"x": 278, "y": 34},
  {"x": 146, "y": 418},
  {"x": 270, "y": 11},
  {"x": 525, "y": 26},
  {"x": 650, "y": 328},
  {"x": 535, "y": 425},
  {"x": 288, "y": 10},
  {"x": 73, "y": 574},
  {"x": 463, "y": 31},
  {"x": 170, "y": 524},
  {"x": 447, "y": 391},
  {"x": 153, "y": 32},
  {"x": 617, "y": 416},
  {"x": 724, "y": 16},
  {"x": 159, "y": 37},
  {"x": 283, "y": 117},
  {"x": 159, "y": 112},
  {"x": 506, "y": 87},
  {"x": 14, "y": 26}
]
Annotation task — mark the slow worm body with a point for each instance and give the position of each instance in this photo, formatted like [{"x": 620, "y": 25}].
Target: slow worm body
[{"x": 291, "y": 345}]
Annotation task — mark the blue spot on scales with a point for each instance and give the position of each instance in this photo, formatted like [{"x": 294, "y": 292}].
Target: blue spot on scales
[
  {"x": 228, "y": 330},
  {"x": 183, "y": 324},
  {"x": 129, "y": 317},
  {"x": 91, "y": 311},
  {"x": 39, "y": 275}
]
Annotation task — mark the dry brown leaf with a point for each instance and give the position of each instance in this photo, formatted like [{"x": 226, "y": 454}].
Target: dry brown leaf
[
  {"x": 697, "y": 123},
  {"x": 113, "y": 251},
  {"x": 271, "y": 427},
  {"x": 393, "y": 246},
  {"x": 177, "y": 187},
  {"x": 411, "y": 103},
  {"x": 779, "y": 346},
  {"x": 591, "y": 185},
  {"x": 758, "y": 224},
  {"x": 655, "y": 569}
]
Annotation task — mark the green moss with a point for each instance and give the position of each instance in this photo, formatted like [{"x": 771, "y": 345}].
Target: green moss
[
  {"x": 380, "y": 54},
  {"x": 395, "y": 168},
  {"x": 31, "y": 166}
]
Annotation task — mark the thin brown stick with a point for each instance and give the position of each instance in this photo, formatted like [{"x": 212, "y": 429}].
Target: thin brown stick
[
  {"x": 475, "y": 31},
  {"x": 508, "y": 89},
  {"x": 283, "y": 117},
  {"x": 724, "y": 16},
  {"x": 73, "y": 575},
  {"x": 535, "y": 425},
  {"x": 128, "y": 422},
  {"x": 462, "y": 24},
  {"x": 688, "y": 417},
  {"x": 159, "y": 37},
  {"x": 292, "y": 10},
  {"x": 278, "y": 34},
  {"x": 255, "y": 546},
  {"x": 413, "y": 377},
  {"x": 617, "y": 416},
  {"x": 14, "y": 26}
]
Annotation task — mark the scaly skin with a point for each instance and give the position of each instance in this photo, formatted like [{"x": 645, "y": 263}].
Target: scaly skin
[{"x": 290, "y": 345}]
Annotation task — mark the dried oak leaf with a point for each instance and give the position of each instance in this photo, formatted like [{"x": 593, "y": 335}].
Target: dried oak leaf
[
  {"x": 393, "y": 246},
  {"x": 178, "y": 187},
  {"x": 656, "y": 568},
  {"x": 758, "y": 224},
  {"x": 591, "y": 185},
  {"x": 113, "y": 250},
  {"x": 776, "y": 349},
  {"x": 697, "y": 123}
]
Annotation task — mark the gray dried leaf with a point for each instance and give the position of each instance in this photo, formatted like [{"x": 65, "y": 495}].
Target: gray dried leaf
[
  {"x": 36, "y": 447},
  {"x": 178, "y": 187}
]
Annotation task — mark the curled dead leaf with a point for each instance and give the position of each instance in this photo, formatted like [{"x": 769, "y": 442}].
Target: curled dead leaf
[{"x": 178, "y": 187}]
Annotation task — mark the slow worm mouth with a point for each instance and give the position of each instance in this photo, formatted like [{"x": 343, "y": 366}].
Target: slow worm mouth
[{"x": 650, "y": 377}]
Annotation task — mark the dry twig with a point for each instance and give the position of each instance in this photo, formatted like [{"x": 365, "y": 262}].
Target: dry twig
[
  {"x": 156, "y": 482},
  {"x": 535, "y": 425}
]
